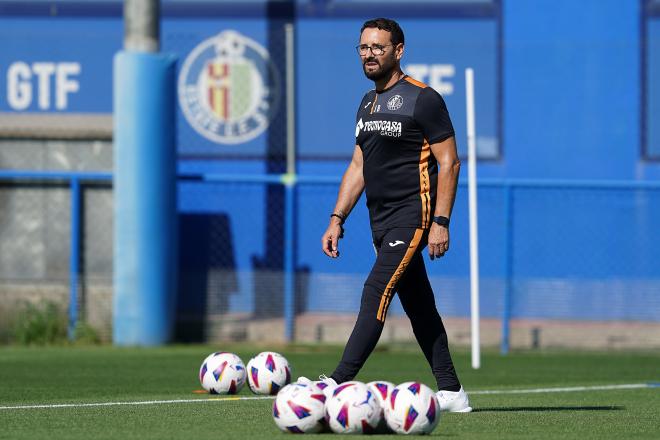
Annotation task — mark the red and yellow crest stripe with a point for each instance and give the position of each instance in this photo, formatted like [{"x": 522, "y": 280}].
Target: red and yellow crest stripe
[{"x": 219, "y": 94}]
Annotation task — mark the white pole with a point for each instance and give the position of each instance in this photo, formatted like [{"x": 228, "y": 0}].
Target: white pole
[{"x": 472, "y": 198}]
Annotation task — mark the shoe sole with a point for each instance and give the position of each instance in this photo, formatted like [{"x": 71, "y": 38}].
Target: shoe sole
[{"x": 464, "y": 410}]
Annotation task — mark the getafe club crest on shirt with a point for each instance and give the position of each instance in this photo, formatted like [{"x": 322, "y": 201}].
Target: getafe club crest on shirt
[
  {"x": 229, "y": 88},
  {"x": 395, "y": 102}
]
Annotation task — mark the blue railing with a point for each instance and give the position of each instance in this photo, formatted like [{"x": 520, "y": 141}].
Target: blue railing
[
  {"x": 509, "y": 185},
  {"x": 76, "y": 180}
]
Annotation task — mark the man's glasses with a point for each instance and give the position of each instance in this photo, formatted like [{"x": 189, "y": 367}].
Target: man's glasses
[{"x": 376, "y": 49}]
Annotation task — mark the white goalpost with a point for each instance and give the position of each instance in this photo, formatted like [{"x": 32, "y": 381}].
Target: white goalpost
[{"x": 472, "y": 207}]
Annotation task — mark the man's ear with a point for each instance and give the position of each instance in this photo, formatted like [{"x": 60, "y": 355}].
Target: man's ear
[{"x": 398, "y": 51}]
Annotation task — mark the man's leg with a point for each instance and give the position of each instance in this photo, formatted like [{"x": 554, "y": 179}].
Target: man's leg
[
  {"x": 419, "y": 304},
  {"x": 394, "y": 253}
]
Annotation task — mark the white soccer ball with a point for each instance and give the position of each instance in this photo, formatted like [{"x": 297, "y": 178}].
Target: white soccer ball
[
  {"x": 268, "y": 372},
  {"x": 352, "y": 409},
  {"x": 299, "y": 408},
  {"x": 222, "y": 373},
  {"x": 413, "y": 409},
  {"x": 382, "y": 390}
]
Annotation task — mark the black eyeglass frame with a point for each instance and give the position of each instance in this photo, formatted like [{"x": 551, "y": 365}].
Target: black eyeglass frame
[{"x": 381, "y": 49}]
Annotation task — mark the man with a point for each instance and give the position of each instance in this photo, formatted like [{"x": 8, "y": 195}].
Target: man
[{"x": 405, "y": 158}]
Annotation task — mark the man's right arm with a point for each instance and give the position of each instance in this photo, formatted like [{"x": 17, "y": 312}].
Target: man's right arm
[{"x": 352, "y": 185}]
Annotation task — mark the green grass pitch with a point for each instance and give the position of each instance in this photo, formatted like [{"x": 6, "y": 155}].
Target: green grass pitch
[{"x": 78, "y": 375}]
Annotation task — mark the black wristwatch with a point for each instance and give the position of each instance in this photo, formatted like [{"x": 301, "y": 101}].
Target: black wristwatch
[{"x": 442, "y": 221}]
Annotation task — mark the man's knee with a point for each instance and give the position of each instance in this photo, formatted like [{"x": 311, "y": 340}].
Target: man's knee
[
  {"x": 370, "y": 297},
  {"x": 375, "y": 302}
]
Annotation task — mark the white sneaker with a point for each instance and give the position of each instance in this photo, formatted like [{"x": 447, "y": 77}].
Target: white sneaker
[
  {"x": 454, "y": 401},
  {"x": 303, "y": 380},
  {"x": 325, "y": 384}
]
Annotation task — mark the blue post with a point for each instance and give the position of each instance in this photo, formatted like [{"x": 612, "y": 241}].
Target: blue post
[
  {"x": 508, "y": 268},
  {"x": 289, "y": 263},
  {"x": 145, "y": 198},
  {"x": 74, "y": 257}
]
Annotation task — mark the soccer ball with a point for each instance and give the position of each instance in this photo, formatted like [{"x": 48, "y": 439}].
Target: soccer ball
[
  {"x": 352, "y": 409},
  {"x": 222, "y": 373},
  {"x": 381, "y": 390},
  {"x": 268, "y": 372},
  {"x": 413, "y": 409},
  {"x": 299, "y": 408}
]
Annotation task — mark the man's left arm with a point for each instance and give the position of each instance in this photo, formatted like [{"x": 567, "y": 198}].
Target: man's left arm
[{"x": 448, "y": 170}]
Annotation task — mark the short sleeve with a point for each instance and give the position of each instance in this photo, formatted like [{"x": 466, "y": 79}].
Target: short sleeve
[{"x": 432, "y": 116}]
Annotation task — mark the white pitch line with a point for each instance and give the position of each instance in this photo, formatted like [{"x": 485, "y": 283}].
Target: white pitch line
[
  {"x": 144, "y": 402},
  {"x": 629, "y": 386}
]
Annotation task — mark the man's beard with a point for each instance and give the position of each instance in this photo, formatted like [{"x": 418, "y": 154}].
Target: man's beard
[{"x": 385, "y": 69}]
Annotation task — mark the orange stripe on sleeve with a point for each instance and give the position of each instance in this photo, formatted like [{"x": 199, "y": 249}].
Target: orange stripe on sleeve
[{"x": 415, "y": 82}]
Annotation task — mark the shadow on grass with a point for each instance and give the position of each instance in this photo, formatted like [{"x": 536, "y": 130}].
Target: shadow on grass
[{"x": 549, "y": 408}]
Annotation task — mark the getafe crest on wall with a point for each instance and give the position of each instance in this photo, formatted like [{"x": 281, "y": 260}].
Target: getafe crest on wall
[{"x": 229, "y": 88}]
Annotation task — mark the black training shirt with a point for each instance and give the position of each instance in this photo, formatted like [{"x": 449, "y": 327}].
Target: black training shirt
[{"x": 394, "y": 129}]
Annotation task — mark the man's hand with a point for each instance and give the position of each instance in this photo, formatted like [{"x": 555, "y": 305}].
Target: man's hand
[
  {"x": 438, "y": 241},
  {"x": 330, "y": 239}
]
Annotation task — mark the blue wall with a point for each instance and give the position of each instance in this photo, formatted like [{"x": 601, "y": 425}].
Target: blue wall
[
  {"x": 565, "y": 90},
  {"x": 572, "y": 89},
  {"x": 566, "y": 75}
]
